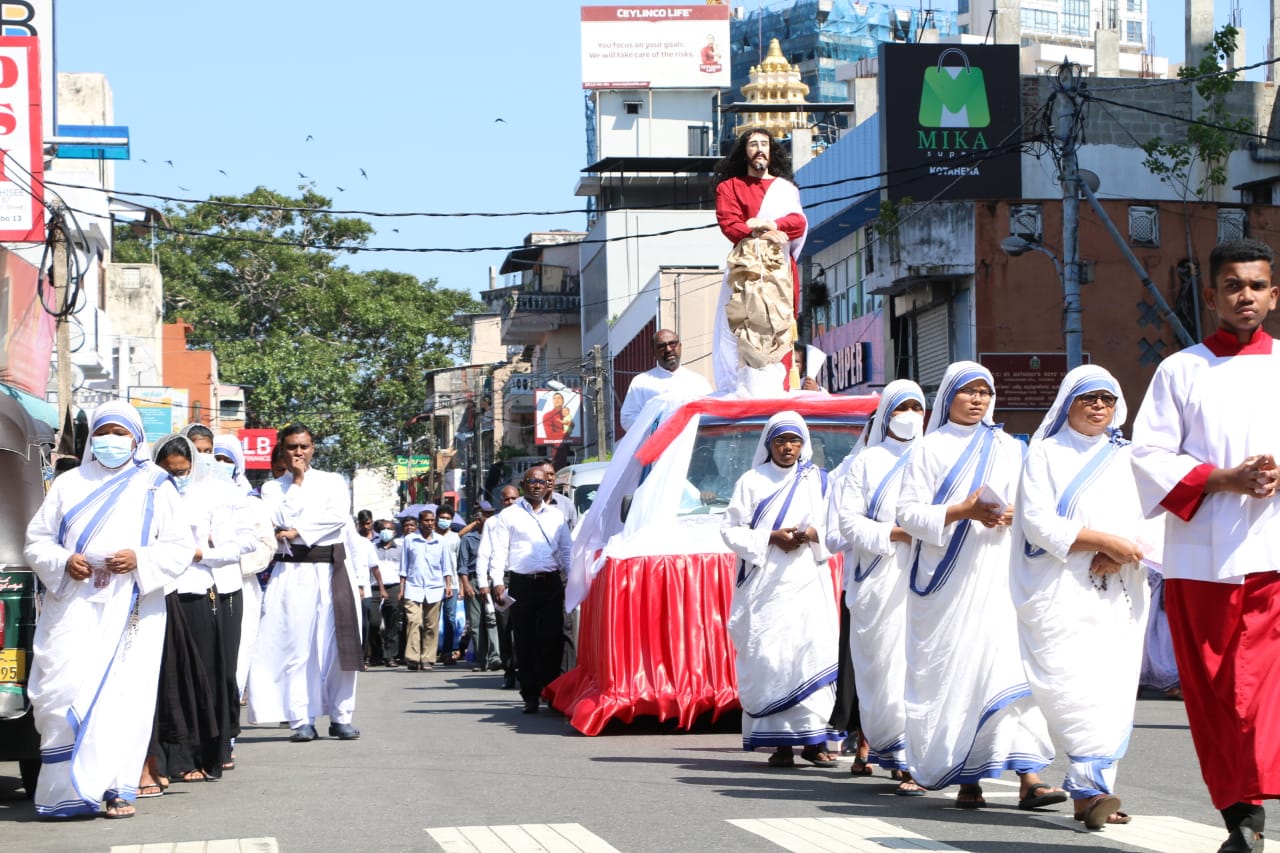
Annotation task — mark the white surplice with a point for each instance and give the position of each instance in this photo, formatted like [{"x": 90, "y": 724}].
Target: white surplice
[
  {"x": 970, "y": 714},
  {"x": 98, "y": 642},
  {"x": 1081, "y": 645},
  {"x": 783, "y": 619},
  {"x": 876, "y": 594},
  {"x": 296, "y": 675}
]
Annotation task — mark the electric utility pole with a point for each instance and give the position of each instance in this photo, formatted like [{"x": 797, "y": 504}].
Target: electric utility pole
[
  {"x": 1066, "y": 122},
  {"x": 597, "y": 370},
  {"x": 58, "y": 280}
]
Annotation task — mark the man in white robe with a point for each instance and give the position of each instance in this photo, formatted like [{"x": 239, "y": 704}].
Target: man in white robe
[
  {"x": 107, "y": 539},
  {"x": 308, "y": 655},
  {"x": 970, "y": 714},
  {"x": 783, "y": 620},
  {"x": 876, "y": 575},
  {"x": 1079, "y": 586},
  {"x": 667, "y": 378},
  {"x": 1204, "y": 446}
]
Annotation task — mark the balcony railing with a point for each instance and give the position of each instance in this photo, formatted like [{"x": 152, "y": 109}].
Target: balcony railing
[
  {"x": 541, "y": 303},
  {"x": 528, "y": 382}
]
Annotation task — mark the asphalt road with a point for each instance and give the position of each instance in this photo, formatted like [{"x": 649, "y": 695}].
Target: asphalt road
[{"x": 446, "y": 756}]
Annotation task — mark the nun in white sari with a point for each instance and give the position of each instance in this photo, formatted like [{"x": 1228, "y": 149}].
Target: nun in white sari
[
  {"x": 1078, "y": 585},
  {"x": 876, "y": 574},
  {"x": 107, "y": 539},
  {"x": 784, "y": 620},
  {"x": 970, "y": 714}
]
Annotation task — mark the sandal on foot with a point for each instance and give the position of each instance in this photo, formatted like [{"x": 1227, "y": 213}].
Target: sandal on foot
[
  {"x": 782, "y": 759},
  {"x": 1035, "y": 800},
  {"x": 970, "y": 799},
  {"x": 818, "y": 757},
  {"x": 192, "y": 776},
  {"x": 860, "y": 767},
  {"x": 146, "y": 792},
  {"x": 909, "y": 788},
  {"x": 119, "y": 809}
]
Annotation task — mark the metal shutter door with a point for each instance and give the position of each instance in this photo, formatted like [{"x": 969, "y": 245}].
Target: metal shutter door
[{"x": 933, "y": 346}]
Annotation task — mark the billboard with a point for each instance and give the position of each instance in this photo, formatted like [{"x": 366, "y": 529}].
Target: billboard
[
  {"x": 655, "y": 47},
  {"x": 257, "y": 445},
  {"x": 163, "y": 410},
  {"x": 557, "y": 418},
  {"x": 952, "y": 121},
  {"x": 26, "y": 329},
  {"x": 21, "y": 142}
]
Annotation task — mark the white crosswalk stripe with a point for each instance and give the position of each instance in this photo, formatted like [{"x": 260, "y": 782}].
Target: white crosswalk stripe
[
  {"x": 1160, "y": 833},
  {"x": 521, "y": 838},
  {"x": 838, "y": 835},
  {"x": 223, "y": 845}
]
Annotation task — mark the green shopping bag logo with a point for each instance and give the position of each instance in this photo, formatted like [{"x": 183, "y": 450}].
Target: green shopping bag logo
[{"x": 953, "y": 96}]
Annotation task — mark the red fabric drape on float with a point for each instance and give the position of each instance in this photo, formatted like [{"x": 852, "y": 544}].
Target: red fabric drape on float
[{"x": 653, "y": 641}]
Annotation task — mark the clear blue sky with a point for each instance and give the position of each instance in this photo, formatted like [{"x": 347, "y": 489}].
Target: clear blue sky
[{"x": 408, "y": 90}]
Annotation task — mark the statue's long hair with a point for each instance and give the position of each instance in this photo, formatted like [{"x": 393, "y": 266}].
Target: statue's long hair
[{"x": 734, "y": 165}]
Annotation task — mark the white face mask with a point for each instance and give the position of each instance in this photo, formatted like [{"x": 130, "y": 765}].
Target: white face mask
[
  {"x": 225, "y": 470},
  {"x": 907, "y": 425}
]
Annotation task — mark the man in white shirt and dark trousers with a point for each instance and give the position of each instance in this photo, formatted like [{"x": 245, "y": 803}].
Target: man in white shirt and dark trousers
[{"x": 532, "y": 539}]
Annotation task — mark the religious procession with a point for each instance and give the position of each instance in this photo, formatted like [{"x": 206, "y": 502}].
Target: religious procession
[{"x": 908, "y": 583}]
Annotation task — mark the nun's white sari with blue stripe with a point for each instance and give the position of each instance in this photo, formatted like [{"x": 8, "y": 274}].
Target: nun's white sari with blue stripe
[
  {"x": 784, "y": 620},
  {"x": 1082, "y": 646},
  {"x": 98, "y": 642},
  {"x": 876, "y": 579},
  {"x": 970, "y": 714}
]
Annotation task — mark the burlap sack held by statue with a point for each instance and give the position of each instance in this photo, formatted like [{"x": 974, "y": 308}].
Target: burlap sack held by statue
[{"x": 759, "y": 311}]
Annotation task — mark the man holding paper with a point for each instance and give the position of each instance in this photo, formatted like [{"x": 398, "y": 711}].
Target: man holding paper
[{"x": 970, "y": 714}]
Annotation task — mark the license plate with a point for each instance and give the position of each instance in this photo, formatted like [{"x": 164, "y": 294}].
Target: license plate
[{"x": 13, "y": 666}]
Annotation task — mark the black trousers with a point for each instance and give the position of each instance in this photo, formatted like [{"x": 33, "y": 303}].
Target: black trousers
[
  {"x": 537, "y": 621},
  {"x": 845, "y": 716},
  {"x": 391, "y": 634}
]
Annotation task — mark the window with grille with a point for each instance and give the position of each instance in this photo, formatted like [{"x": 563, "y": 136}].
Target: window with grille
[
  {"x": 869, "y": 249},
  {"x": 1231, "y": 223},
  {"x": 1144, "y": 226},
  {"x": 1133, "y": 32},
  {"x": 1025, "y": 221}
]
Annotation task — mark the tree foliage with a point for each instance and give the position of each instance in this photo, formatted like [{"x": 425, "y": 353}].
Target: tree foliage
[
  {"x": 1206, "y": 146},
  {"x": 344, "y": 352}
]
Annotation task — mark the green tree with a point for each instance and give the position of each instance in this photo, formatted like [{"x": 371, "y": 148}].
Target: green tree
[
  {"x": 345, "y": 352},
  {"x": 1209, "y": 142}
]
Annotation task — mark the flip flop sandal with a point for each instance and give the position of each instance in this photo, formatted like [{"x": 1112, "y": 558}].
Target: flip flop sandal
[
  {"x": 860, "y": 767},
  {"x": 970, "y": 801},
  {"x": 777, "y": 760},
  {"x": 118, "y": 804},
  {"x": 1034, "y": 800},
  {"x": 146, "y": 792},
  {"x": 914, "y": 791},
  {"x": 818, "y": 758}
]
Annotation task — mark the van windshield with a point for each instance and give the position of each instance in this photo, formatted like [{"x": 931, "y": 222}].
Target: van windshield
[{"x": 722, "y": 452}]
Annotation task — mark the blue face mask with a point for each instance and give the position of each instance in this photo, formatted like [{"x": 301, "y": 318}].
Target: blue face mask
[
  {"x": 386, "y": 535},
  {"x": 182, "y": 482},
  {"x": 443, "y": 523},
  {"x": 112, "y": 450}
]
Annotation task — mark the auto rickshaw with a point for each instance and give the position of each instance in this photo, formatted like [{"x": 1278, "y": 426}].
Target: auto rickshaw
[{"x": 25, "y": 446}]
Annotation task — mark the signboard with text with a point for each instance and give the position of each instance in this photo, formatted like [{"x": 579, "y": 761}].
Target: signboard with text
[
  {"x": 654, "y": 47},
  {"x": 408, "y": 467},
  {"x": 257, "y": 445},
  {"x": 21, "y": 142},
  {"x": 163, "y": 410},
  {"x": 951, "y": 121},
  {"x": 1026, "y": 380}
]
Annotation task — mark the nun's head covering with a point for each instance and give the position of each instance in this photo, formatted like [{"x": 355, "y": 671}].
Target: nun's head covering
[
  {"x": 783, "y": 423},
  {"x": 1084, "y": 379},
  {"x": 958, "y": 375},
  {"x": 180, "y": 444},
  {"x": 227, "y": 444},
  {"x": 894, "y": 395},
  {"x": 121, "y": 413}
]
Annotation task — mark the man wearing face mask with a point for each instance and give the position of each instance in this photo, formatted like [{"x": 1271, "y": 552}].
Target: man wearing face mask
[
  {"x": 449, "y": 633},
  {"x": 876, "y": 571},
  {"x": 384, "y": 628},
  {"x": 108, "y": 537}
]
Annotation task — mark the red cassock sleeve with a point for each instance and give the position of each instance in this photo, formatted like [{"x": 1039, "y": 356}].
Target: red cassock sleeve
[{"x": 1185, "y": 498}]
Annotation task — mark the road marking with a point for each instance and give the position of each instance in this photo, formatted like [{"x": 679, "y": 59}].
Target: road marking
[
  {"x": 522, "y": 838},
  {"x": 223, "y": 845},
  {"x": 1161, "y": 833},
  {"x": 838, "y": 835}
]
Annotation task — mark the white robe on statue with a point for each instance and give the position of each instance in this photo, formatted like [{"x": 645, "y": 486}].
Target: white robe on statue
[
  {"x": 295, "y": 675},
  {"x": 783, "y": 621},
  {"x": 1081, "y": 643},
  {"x": 98, "y": 642},
  {"x": 970, "y": 714}
]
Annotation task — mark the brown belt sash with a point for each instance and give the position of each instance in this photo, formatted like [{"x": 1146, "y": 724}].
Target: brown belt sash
[{"x": 346, "y": 618}]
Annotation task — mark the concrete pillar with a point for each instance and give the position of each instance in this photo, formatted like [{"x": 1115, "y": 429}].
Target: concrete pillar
[
  {"x": 1106, "y": 53},
  {"x": 801, "y": 147},
  {"x": 1009, "y": 21},
  {"x": 1273, "y": 38},
  {"x": 1199, "y": 29}
]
